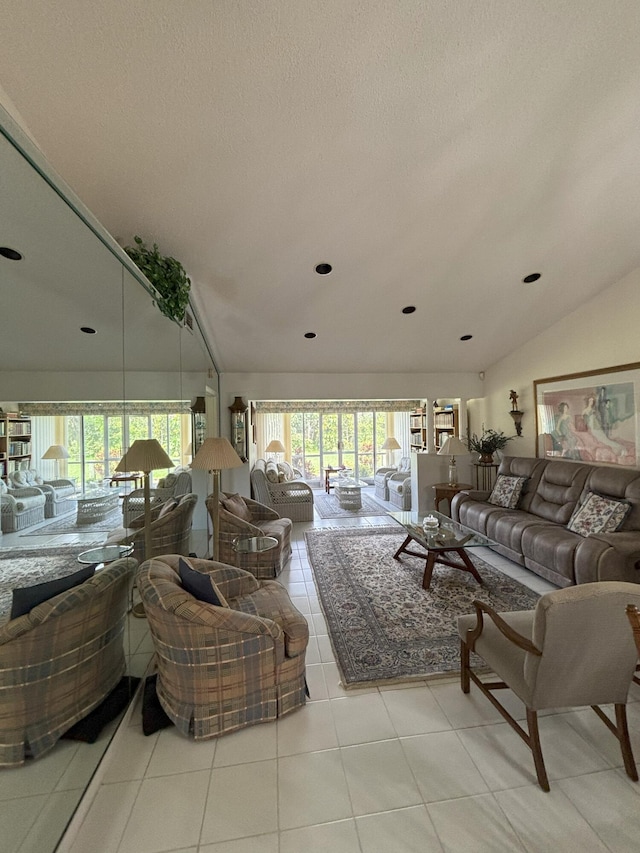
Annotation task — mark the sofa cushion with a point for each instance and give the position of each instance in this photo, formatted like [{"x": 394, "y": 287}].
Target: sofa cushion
[
  {"x": 286, "y": 469},
  {"x": 506, "y": 491},
  {"x": 166, "y": 507},
  {"x": 598, "y": 514},
  {"x": 26, "y": 598},
  {"x": 235, "y": 504},
  {"x": 199, "y": 585}
]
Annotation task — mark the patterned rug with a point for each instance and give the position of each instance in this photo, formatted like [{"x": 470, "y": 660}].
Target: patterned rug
[
  {"x": 382, "y": 624},
  {"x": 29, "y": 566},
  {"x": 67, "y": 524},
  {"x": 327, "y": 506}
]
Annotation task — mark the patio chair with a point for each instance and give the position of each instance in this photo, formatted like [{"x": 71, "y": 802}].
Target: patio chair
[{"x": 574, "y": 649}]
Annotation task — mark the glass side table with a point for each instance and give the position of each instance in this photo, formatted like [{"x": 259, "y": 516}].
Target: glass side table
[
  {"x": 253, "y": 544},
  {"x": 105, "y": 554}
]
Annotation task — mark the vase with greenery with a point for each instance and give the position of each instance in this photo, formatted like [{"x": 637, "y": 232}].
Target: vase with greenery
[
  {"x": 166, "y": 274},
  {"x": 487, "y": 443}
]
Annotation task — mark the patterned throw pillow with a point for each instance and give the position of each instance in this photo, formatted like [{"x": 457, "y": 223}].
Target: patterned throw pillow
[
  {"x": 598, "y": 514},
  {"x": 506, "y": 491}
]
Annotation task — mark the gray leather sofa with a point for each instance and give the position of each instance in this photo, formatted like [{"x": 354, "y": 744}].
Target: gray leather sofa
[{"x": 535, "y": 534}]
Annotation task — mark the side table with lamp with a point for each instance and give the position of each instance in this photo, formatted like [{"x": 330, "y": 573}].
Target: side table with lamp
[{"x": 452, "y": 447}]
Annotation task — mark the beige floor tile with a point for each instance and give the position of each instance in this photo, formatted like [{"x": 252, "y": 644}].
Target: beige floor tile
[
  {"x": 167, "y": 813},
  {"x": 107, "y": 818},
  {"x": 316, "y": 683},
  {"x": 326, "y": 649},
  {"x": 175, "y": 753},
  {"x": 442, "y": 766},
  {"x": 403, "y": 831},
  {"x": 363, "y": 718},
  {"x": 51, "y": 822},
  {"x": 339, "y": 836},
  {"x": 379, "y": 777},
  {"x": 312, "y": 789},
  {"x": 130, "y": 755},
  {"x": 255, "y": 844},
  {"x": 548, "y": 821},
  {"x": 474, "y": 825},
  {"x": 242, "y": 801},
  {"x": 17, "y": 817},
  {"x": 255, "y": 743},
  {"x": 309, "y": 729},
  {"x": 414, "y": 711}
]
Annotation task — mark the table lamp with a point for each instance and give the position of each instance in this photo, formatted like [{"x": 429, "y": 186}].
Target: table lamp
[
  {"x": 215, "y": 455},
  {"x": 275, "y": 447},
  {"x": 390, "y": 445},
  {"x": 57, "y": 452},
  {"x": 452, "y": 446},
  {"x": 145, "y": 455}
]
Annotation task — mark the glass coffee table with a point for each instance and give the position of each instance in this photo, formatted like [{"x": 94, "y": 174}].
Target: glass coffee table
[
  {"x": 253, "y": 544},
  {"x": 104, "y": 554},
  {"x": 449, "y": 537}
]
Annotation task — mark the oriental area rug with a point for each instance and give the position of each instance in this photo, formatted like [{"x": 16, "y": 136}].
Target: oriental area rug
[
  {"x": 67, "y": 524},
  {"x": 383, "y": 626},
  {"x": 327, "y": 506}
]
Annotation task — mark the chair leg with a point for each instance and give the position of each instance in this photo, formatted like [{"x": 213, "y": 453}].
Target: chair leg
[
  {"x": 464, "y": 666},
  {"x": 625, "y": 743},
  {"x": 536, "y": 749}
]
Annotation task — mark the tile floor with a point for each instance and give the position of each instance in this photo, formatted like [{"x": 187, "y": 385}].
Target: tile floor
[{"x": 381, "y": 770}]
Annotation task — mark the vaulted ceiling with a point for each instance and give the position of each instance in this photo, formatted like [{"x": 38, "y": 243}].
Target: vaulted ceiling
[{"x": 434, "y": 153}]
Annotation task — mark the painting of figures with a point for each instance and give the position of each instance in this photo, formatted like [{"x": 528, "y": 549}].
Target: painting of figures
[{"x": 590, "y": 417}]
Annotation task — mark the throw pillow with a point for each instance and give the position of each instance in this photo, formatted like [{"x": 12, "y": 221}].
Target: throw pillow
[
  {"x": 506, "y": 491},
  {"x": 271, "y": 471},
  {"x": 28, "y": 597},
  {"x": 286, "y": 469},
  {"x": 166, "y": 507},
  {"x": 199, "y": 585},
  {"x": 236, "y": 506},
  {"x": 598, "y": 514}
]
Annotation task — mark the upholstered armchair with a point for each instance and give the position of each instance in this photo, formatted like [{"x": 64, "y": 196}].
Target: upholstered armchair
[
  {"x": 399, "y": 486},
  {"x": 21, "y": 507},
  {"x": 289, "y": 498},
  {"x": 246, "y": 517},
  {"x": 57, "y": 492},
  {"x": 172, "y": 486},
  {"x": 60, "y": 660},
  {"x": 381, "y": 477},
  {"x": 574, "y": 649},
  {"x": 221, "y": 668},
  {"x": 170, "y": 529}
]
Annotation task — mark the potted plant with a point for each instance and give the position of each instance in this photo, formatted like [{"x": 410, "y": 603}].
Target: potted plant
[
  {"x": 487, "y": 443},
  {"x": 166, "y": 274}
]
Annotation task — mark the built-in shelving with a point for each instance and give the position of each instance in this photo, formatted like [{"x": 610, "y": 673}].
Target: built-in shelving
[{"x": 15, "y": 443}]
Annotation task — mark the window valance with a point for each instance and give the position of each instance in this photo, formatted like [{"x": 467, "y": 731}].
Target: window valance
[
  {"x": 274, "y": 407},
  {"x": 108, "y": 407}
]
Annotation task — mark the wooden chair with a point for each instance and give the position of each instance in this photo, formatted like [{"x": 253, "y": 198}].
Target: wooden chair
[
  {"x": 634, "y": 617},
  {"x": 574, "y": 649}
]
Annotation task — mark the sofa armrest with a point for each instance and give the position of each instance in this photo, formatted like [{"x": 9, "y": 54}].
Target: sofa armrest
[
  {"x": 260, "y": 512},
  {"x": 625, "y": 545}
]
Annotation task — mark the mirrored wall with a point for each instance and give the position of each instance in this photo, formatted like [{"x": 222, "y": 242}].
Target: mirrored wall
[{"x": 77, "y": 324}]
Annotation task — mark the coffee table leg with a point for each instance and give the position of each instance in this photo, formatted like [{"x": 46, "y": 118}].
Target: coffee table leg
[
  {"x": 396, "y": 556},
  {"x": 467, "y": 561},
  {"x": 428, "y": 569}
]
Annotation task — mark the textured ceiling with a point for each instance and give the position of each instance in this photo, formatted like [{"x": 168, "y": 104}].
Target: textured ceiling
[{"x": 433, "y": 152}]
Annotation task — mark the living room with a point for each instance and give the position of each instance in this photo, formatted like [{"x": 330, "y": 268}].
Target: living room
[{"x": 581, "y": 316}]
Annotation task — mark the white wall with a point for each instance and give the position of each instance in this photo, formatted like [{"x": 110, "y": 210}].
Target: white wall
[{"x": 602, "y": 333}]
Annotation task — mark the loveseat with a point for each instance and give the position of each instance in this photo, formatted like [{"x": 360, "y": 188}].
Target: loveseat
[
  {"x": 555, "y": 497},
  {"x": 58, "y": 493},
  {"x": 20, "y": 507},
  {"x": 278, "y": 486}
]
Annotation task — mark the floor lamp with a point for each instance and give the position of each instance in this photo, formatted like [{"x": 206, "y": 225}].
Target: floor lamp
[
  {"x": 390, "y": 445},
  {"x": 145, "y": 455},
  {"x": 275, "y": 447},
  {"x": 57, "y": 452},
  {"x": 215, "y": 455}
]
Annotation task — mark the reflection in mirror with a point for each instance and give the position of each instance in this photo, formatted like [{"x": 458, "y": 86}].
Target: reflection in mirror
[{"x": 91, "y": 393}]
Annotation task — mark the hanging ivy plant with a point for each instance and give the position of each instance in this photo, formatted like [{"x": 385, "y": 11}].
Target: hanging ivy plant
[{"x": 167, "y": 275}]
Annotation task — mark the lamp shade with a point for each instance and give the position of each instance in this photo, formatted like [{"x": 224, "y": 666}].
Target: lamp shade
[
  {"x": 145, "y": 454},
  {"x": 56, "y": 451},
  {"x": 216, "y": 454},
  {"x": 453, "y": 446},
  {"x": 275, "y": 446},
  {"x": 391, "y": 443}
]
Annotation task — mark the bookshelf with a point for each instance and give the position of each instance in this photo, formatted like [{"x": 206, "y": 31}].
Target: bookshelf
[
  {"x": 418, "y": 429},
  {"x": 15, "y": 443},
  {"x": 445, "y": 423}
]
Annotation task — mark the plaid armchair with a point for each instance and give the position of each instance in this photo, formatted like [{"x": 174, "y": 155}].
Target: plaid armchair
[
  {"x": 60, "y": 660},
  {"x": 264, "y": 522},
  {"x": 223, "y": 668},
  {"x": 170, "y": 532},
  {"x": 172, "y": 486}
]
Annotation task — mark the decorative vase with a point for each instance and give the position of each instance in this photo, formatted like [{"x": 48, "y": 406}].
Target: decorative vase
[{"x": 486, "y": 459}]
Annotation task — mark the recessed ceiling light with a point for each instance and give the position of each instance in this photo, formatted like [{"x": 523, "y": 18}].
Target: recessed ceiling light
[
  {"x": 11, "y": 254},
  {"x": 533, "y": 277},
  {"x": 87, "y": 330},
  {"x": 408, "y": 309},
  {"x": 324, "y": 269},
  {"x": 310, "y": 334},
  {"x": 466, "y": 337}
]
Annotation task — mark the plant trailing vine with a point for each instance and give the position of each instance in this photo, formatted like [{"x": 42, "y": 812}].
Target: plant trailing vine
[{"x": 166, "y": 274}]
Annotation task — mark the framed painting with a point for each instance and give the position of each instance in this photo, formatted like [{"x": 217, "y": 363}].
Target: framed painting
[{"x": 590, "y": 416}]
